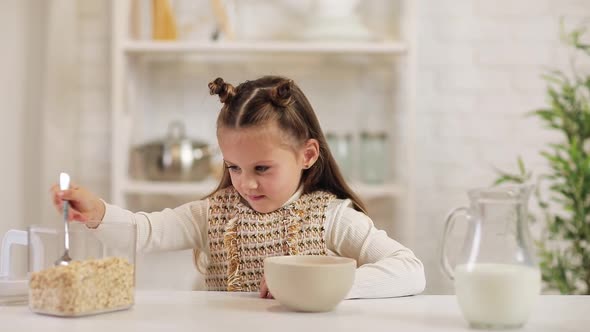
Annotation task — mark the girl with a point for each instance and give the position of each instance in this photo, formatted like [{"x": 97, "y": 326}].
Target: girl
[{"x": 281, "y": 193}]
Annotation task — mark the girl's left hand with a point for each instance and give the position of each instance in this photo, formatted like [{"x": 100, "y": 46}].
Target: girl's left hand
[{"x": 264, "y": 292}]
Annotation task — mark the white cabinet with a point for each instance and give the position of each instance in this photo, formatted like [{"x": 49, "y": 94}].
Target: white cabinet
[{"x": 353, "y": 86}]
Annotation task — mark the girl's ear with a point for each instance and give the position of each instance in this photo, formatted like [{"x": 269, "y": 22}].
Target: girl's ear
[{"x": 311, "y": 152}]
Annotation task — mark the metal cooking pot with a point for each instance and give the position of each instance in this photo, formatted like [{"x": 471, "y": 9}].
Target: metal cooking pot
[{"x": 176, "y": 158}]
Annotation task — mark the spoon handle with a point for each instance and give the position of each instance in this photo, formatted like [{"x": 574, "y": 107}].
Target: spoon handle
[{"x": 66, "y": 223}]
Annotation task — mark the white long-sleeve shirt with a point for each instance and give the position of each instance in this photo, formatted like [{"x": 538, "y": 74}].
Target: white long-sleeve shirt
[{"x": 385, "y": 267}]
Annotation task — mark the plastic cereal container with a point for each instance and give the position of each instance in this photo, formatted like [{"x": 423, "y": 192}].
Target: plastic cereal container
[{"x": 100, "y": 278}]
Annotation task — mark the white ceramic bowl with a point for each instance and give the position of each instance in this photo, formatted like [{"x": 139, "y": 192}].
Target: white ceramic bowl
[{"x": 309, "y": 283}]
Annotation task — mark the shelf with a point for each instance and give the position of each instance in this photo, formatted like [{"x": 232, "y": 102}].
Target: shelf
[
  {"x": 262, "y": 47},
  {"x": 374, "y": 190},
  {"x": 207, "y": 186},
  {"x": 170, "y": 188}
]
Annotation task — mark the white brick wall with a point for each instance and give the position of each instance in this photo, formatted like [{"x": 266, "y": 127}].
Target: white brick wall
[
  {"x": 479, "y": 65},
  {"x": 479, "y": 72}
]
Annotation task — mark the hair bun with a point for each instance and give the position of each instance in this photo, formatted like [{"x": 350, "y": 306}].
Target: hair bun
[
  {"x": 281, "y": 94},
  {"x": 225, "y": 91}
]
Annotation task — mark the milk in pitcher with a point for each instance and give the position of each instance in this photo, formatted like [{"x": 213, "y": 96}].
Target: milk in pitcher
[{"x": 496, "y": 295}]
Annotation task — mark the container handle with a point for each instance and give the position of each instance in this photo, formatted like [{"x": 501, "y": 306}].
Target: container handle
[
  {"x": 449, "y": 224},
  {"x": 11, "y": 237}
]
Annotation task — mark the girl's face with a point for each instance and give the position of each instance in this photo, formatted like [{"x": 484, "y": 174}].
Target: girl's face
[{"x": 263, "y": 167}]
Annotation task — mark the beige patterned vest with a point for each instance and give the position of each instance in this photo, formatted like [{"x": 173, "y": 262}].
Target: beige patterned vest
[{"x": 240, "y": 238}]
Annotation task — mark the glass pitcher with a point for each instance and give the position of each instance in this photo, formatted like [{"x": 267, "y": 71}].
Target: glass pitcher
[{"x": 497, "y": 279}]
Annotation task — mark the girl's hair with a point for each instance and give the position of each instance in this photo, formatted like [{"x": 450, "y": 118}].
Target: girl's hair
[{"x": 277, "y": 99}]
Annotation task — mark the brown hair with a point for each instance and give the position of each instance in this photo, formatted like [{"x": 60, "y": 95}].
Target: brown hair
[{"x": 279, "y": 99}]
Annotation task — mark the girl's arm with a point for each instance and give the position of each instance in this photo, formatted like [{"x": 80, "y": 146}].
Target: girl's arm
[
  {"x": 184, "y": 227},
  {"x": 385, "y": 267}
]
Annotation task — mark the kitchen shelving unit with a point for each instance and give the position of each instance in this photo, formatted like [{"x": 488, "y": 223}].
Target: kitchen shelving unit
[
  {"x": 129, "y": 56},
  {"x": 362, "y": 48}
]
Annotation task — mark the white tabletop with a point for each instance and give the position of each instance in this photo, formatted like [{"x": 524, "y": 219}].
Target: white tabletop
[{"x": 242, "y": 312}]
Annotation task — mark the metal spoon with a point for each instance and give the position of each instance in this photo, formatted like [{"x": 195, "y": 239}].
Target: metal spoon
[{"x": 64, "y": 184}]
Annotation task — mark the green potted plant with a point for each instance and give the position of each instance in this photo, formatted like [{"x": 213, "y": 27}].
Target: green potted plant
[{"x": 564, "y": 243}]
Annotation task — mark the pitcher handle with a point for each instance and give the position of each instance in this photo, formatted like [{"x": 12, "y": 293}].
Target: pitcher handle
[
  {"x": 449, "y": 224},
  {"x": 11, "y": 237}
]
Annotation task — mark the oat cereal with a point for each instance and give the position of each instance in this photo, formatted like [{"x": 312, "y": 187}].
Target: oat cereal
[{"x": 83, "y": 287}]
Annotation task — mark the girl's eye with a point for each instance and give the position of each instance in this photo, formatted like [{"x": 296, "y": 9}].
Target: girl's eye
[
  {"x": 261, "y": 169},
  {"x": 232, "y": 168}
]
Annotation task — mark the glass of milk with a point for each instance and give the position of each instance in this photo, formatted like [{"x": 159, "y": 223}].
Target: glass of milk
[{"x": 497, "y": 279}]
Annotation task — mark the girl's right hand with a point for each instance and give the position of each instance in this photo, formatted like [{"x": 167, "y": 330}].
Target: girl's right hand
[
  {"x": 264, "y": 291},
  {"x": 84, "y": 205}
]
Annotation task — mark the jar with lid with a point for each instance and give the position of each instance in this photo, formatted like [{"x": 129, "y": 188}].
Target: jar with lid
[
  {"x": 341, "y": 148},
  {"x": 374, "y": 157}
]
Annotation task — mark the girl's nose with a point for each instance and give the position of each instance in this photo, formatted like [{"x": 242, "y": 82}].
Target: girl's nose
[{"x": 250, "y": 182}]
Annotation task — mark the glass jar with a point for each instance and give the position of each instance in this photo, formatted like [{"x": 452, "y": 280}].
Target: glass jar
[
  {"x": 374, "y": 157},
  {"x": 341, "y": 148},
  {"x": 497, "y": 279}
]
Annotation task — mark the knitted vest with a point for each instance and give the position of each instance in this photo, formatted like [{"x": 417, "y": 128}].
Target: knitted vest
[{"x": 240, "y": 238}]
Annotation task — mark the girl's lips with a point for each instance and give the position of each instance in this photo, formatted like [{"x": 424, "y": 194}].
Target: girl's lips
[{"x": 255, "y": 197}]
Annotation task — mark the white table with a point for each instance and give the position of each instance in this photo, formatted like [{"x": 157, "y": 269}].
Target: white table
[{"x": 243, "y": 312}]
